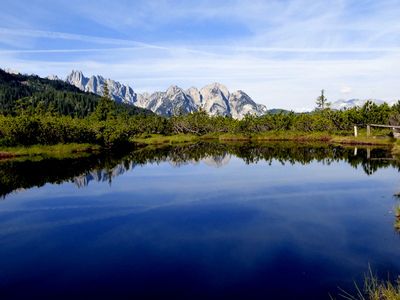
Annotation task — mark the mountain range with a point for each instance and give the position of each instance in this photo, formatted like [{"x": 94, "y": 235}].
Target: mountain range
[
  {"x": 350, "y": 103},
  {"x": 214, "y": 98}
]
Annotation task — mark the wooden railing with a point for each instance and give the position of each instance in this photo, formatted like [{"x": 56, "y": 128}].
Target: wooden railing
[{"x": 396, "y": 129}]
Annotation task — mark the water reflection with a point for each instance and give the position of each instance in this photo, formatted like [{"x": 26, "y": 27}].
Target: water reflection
[
  {"x": 196, "y": 222},
  {"x": 15, "y": 175}
]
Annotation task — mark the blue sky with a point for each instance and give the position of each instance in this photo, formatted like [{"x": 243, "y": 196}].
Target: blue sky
[{"x": 282, "y": 53}]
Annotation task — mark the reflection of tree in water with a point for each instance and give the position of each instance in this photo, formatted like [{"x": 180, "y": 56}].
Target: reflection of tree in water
[
  {"x": 16, "y": 174},
  {"x": 25, "y": 174}
]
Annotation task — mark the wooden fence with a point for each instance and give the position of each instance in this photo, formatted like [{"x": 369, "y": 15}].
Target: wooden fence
[{"x": 395, "y": 129}]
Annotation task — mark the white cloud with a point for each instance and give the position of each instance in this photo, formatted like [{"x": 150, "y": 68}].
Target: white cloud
[
  {"x": 346, "y": 89},
  {"x": 291, "y": 49},
  {"x": 7, "y": 32},
  {"x": 292, "y": 84}
]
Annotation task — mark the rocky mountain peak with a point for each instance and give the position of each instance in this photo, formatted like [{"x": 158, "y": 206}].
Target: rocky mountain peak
[
  {"x": 173, "y": 90},
  {"x": 78, "y": 79},
  {"x": 94, "y": 84},
  {"x": 215, "y": 89},
  {"x": 53, "y": 77},
  {"x": 75, "y": 75},
  {"x": 214, "y": 98},
  {"x": 11, "y": 71},
  {"x": 194, "y": 93}
]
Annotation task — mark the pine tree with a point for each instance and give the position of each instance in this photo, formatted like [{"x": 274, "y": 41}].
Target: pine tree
[
  {"x": 322, "y": 102},
  {"x": 106, "y": 108}
]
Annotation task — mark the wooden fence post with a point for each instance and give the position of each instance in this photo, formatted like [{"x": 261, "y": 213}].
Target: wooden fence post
[
  {"x": 368, "y": 130},
  {"x": 355, "y": 131}
]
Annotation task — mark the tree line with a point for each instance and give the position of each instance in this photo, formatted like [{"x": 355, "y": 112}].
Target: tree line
[
  {"x": 109, "y": 127},
  {"x": 35, "y": 110}
]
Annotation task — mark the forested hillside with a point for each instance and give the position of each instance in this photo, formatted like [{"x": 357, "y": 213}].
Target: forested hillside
[{"x": 21, "y": 92}]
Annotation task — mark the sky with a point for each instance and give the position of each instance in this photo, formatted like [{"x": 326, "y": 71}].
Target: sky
[{"x": 281, "y": 53}]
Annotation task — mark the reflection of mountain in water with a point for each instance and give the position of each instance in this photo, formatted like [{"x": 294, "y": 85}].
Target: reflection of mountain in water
[
  {"x": 182, "y": 163},
  {"x": 102, "y": 168},
  {"x": 101, "y": 175},
  {"x": 218, "y": 161}
]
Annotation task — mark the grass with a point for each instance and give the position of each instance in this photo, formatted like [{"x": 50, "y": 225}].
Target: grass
[
  {"x": 292, "y": 136},
  {"x": 374, "y": 289},
  {"x": 396, "y": 148},
  {"x": 56, "y": 151},
  {"x": 333, "y": 138},
  {"x": 360, "y": 140},
  {"x": 155, "y": 139},
  {"x": 269, "y": 136},
  {"x": 344, "y": 138},
  {"x": 378, "y": 137}
]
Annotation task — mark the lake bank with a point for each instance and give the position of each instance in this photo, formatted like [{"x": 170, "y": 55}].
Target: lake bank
[
  {"x": 54, "y": 151},
  {"x": 275, "y": 136},
  {"x": 78, "y": 149}
]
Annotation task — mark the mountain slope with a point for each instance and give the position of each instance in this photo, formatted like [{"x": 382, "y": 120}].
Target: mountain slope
[
  {"x": 214, "y": 98},
  {"x": 173, "y": 101},
  {"x": 94, "y": 84},
  {"x": 64, "y": 98}
]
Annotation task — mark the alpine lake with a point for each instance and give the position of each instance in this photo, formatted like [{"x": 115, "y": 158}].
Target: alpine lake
[{"x": 199, "y": 221}]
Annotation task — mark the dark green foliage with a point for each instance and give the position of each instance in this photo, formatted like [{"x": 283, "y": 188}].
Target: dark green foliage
[
  {"x": 318, "y": 121},
  {"x": 394, "y": 116},
  {"x": 194, "y": 123},
  {"x": 44, "y": 129},
  {"x": 29, "y": 90},
  {"x": 109, "y": 127}
]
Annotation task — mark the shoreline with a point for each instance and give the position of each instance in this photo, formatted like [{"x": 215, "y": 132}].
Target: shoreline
[
  {"x": 51, "y": 151},
  {"x": 270, "y": 137},
  {"x": 77, "y": 149}
]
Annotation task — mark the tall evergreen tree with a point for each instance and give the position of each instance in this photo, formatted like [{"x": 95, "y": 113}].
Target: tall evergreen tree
[
  {"x": 106, "y": 108},
  {"x": 322, "y": 102}
]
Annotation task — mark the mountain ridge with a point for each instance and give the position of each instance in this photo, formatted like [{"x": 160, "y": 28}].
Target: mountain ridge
[
  {"x": 51, "y": 92},
  {"x": 213, "y": 98},
  {"x": 355, "y": 102}
]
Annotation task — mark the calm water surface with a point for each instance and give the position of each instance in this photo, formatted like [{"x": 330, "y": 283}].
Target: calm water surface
[{"x": 276, "y": 221}]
